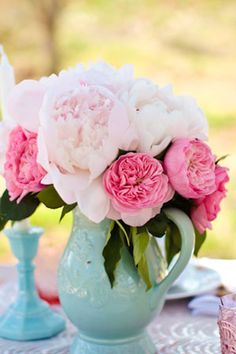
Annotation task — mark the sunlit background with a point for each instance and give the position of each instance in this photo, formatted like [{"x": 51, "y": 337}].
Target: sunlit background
[{"x": 191, "y": 44}]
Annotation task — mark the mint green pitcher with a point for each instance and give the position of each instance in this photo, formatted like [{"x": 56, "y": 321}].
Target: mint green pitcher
[{"x": 113, "y": 320}]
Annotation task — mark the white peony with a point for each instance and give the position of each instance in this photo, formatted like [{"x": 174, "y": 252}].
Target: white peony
[
  {"x": 158, "y": 116},
  {"x": 115, "y": 80}
]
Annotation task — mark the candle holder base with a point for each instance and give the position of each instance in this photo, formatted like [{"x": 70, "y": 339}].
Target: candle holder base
[
  {"x": 39, "y": 322},
  {"x": 29, "y": 317}
]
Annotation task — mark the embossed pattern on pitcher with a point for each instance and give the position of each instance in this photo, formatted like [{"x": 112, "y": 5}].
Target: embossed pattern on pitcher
[
  {"x": 82, "y": 274},
  {"x": 113, "y": 319}
]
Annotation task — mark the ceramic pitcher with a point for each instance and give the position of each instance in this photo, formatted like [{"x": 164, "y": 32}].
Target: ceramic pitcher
[{"x": 114, "y": 320}]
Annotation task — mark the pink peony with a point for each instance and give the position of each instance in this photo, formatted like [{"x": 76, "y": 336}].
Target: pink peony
[
  {"x": 137, "y": 188},
  {"x": 81, "y": 124},
  {"x": 33, "y": 91},
  {"x": 21, "y": 171},
  {"x": 82, "y": 129},
  {"x": 190, "y": 166},
  {"x": 207, "y": 208}
]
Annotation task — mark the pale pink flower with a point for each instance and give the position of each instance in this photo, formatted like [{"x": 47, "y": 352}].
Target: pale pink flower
[
  {"x": 137, "y": 188},
  {"x": 24, "y": 104},
  {"x": 81, "y": 130},
  {"x": 207, "y": 208},
  {"x": 80, "y": 123},
  {"x": 190, "y": 166},
  {"x": 21, "y": 171},
  {"x": 7, "y": 82},
  {"x": 25, "y": 99}
]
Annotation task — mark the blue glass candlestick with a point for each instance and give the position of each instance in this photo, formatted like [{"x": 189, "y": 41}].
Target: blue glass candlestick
[{"x": 29, "y": 317}]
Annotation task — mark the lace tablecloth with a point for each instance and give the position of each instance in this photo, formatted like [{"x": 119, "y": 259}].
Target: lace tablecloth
[{"x": 175, "y": 331}]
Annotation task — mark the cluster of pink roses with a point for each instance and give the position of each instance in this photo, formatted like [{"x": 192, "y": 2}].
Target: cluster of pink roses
[
  {"x": 97, "y": 135},
  {"x": 194, "y": 174},
  {"x": 138, "y": 185}
]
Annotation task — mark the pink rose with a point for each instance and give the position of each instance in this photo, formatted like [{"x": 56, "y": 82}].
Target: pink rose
[
  {"x": 137, "y": 188},
  {"x": 21, "y": 171},
  {"x": 207, "y": 208},
  {"x": 190, "y": 166}
]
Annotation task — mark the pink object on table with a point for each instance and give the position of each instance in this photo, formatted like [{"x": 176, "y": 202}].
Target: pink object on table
[
  {"x": 227, "y": 324},
  {"x": 46, "y": 271}
]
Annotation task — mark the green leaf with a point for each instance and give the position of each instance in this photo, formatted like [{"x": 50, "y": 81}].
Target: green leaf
[
  {"x": 144, "y": 272},
  {"x": 109, "y": 233},
  {"x": 50, "y": 198},
  {"x": 3, "y": 222},
  {"x": 112, "y": 254},
  {"x": 11, "y": 210},
  {"x": 172, "y": 242},
  {"x": 66, "y": 209},
  {"x": 157, "y": 226},
  {"x": 124, "y": 231},
  {"x": 221, "y": 158},
  {"x": 140, "y": 243},
  {"x": 199, "y": 240}
]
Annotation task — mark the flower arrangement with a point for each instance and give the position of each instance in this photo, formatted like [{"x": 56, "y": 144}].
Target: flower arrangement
[{"x": 115, "y": 146}]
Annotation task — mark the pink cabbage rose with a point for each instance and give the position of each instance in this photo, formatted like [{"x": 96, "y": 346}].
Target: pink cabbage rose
[
  {"x": 137, "y": 188},
  {"x": 81, "y": 130},
  {"x": 21, "y": 171},
  {"x": 190, "y": 166},
  {"x": 207, "y": 208}
]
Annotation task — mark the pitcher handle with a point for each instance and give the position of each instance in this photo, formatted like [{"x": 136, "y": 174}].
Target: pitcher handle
[{"x": 184, "y": 224}]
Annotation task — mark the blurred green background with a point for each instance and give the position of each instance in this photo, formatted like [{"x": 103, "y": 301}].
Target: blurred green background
[{"x": 191, "y": 44}]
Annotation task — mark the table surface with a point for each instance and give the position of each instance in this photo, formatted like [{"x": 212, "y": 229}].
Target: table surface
[{"x": 176, "y": 331}]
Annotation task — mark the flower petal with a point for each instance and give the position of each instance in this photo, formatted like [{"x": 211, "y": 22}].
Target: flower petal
[
  {"x": 7, "y": 82},
  {"x": 24, "y": 104},
  {"x": 139, "y": 218},
  {"x": 65, "y": 184},
  {"x": 93, "y": 201}
]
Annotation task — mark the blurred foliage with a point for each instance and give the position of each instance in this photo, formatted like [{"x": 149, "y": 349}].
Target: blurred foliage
[{"x": 186, "y": 42}]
